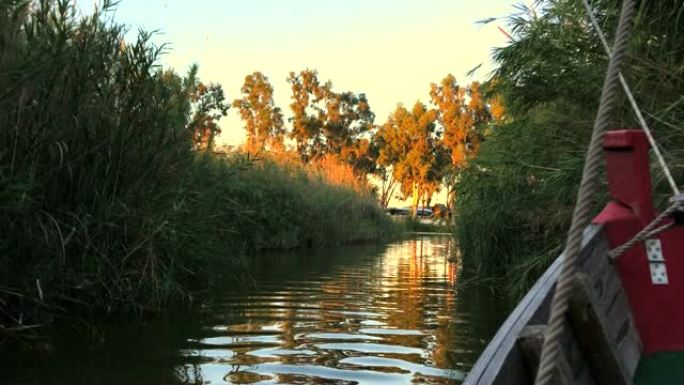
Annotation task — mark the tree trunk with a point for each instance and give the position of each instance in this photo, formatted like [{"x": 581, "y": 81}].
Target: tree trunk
[
  {"x": 388, "y": 184},
  {"x": 415, "y": 199},
  {"x": 451, "y": 198}
]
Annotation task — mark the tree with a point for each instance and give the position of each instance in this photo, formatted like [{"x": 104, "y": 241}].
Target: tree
[
  {"x": 463, "y": 115},
  {"x": 308, "y": 96},
  {"x": 326, "y": 122},
  {"x": 387, "y": 186},
  {"x": 462, "y": 120},
  {"x": 382, "y": 171},
  {"x": 176, "y": 91},
  {"x": 263, "y": 121},
  {"x": 208, "y": 106},
  {"x": 411, "y": 148},
  {"x": 348, "y": 116},
  {"x": 360, "y": 155}
]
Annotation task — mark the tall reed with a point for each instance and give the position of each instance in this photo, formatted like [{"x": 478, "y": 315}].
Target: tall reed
[
  {"x": 291, "y": 205},
  {"x": 515, "y": 201},
  {"x": 104, "y": 204}
]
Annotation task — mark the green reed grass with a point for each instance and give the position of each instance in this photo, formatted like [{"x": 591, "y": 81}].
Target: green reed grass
[
  {"x": 290, "y": 207},
  {"x": 104, "y": 205},
  {"x": 515, "y": 201},
  {"x": 436, "y": 225}
]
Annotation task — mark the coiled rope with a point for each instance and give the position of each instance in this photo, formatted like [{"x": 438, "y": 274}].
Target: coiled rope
[{"x": 582, "y": 214}]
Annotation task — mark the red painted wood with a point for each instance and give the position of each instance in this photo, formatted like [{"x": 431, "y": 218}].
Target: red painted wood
[
  {"x": 629, "y": 178},
  {"x": 658, "y": 309}
]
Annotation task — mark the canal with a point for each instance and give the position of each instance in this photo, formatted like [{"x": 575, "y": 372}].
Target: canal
[{"x": 378, "y": 314}]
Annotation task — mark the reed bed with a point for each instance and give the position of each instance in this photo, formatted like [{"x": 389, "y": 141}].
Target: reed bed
[
  {"x": 515, "y": 200},
  {"x": 105, "y": 207}
]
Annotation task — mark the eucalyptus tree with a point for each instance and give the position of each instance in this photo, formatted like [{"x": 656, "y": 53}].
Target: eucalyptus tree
[
  {"x": 328, "y": 122},
  {"x": 263, "y": 120},
  {"x": 410, "y": 146},
  {"x": 308, "y": 109},
  {"x": 208, "y": 107},
  {"x": 463, "y": 116}
]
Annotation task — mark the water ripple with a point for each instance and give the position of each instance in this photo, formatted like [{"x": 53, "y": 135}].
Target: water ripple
[{"x": 369, "y": 319}]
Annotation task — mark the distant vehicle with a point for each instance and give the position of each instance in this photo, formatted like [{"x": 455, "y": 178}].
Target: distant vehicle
[
  {"x": 406, "y": 211},
  {"x": 441, "y": 211},
  {"x": 424, "y": 212},
  {"x": 398, "y": 211}
]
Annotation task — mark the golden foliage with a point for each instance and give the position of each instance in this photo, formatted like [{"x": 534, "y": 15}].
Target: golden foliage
[
  {"x": 410, "y": 147},
  {"x": 328, "y": 168},
  {"x": 336, "y": 172},
  {"x": 463, "y": 113},
  {"x": 325, "y": 121},
  {"x": 263, "y": 121}
]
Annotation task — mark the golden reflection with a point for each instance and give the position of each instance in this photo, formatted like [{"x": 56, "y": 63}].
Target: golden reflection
[{"x": 383, "y": 315}]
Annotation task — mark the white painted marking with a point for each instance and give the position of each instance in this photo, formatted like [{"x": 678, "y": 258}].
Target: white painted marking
[
  {"x": 654, "y": 250},
  {"x": 658, "y": 273}
]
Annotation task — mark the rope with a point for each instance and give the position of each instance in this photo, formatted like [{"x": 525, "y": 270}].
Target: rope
[
  {"x": 582, "y": 214},
  {"x": 632, "y": 102},
  {"x": 648, "y": 231}
]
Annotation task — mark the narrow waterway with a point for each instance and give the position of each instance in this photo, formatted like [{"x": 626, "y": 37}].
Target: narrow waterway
[{"x": 389, "y": 314}]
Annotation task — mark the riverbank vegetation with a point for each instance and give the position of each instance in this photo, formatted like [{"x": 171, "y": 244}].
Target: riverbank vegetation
[
  {"x": 113, "y": 196},
  {"x": 515, "y": 199},
  {"x": 434, "y": 225}
]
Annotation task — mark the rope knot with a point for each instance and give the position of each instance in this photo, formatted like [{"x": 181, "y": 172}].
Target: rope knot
[
  {"x": 675, "y": 211},
  {"x": 678, "y": 215}
]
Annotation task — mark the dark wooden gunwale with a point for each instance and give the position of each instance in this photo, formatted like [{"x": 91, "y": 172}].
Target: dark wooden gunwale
[{"x": 502, "y": 362}]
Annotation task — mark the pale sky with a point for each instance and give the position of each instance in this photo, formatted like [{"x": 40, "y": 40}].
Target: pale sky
[{"x": 389, "y": 49}]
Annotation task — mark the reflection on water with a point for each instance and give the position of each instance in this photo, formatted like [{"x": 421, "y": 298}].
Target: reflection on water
[
  {"x": 362, "y": 314},
  {"x": 388, "y": 316}
]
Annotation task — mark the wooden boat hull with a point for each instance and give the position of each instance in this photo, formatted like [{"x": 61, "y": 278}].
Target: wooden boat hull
[
  {"x": 513, "y": 354},
  {"x": 619, "y": 310}
]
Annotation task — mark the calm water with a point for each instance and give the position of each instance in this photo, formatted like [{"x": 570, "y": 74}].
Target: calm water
[{"x": 355, "y": 315}]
